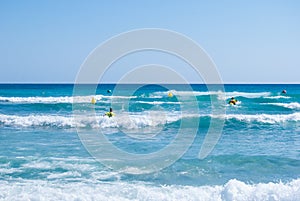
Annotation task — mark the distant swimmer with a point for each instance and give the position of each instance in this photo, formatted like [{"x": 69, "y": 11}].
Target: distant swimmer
[
  {"x": 110, "y": 113},
  {"x": 283, "y": 91},
  {"x": 232, "y": 101},
  {"x": 109, "y": 91}
]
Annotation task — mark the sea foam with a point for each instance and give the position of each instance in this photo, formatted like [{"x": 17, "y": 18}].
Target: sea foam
[
  {"x": 266, "y": 118},
  {"x": 128, "y": 121},
  {"x": 60, "y": 99},
  {"x": 134, "y": 121},
  {"x": 221, "y": 95},
  {"x": 232, "y": 190},
  {"x": 293, "y": 105},
  {"x": 277, "y": 97}
]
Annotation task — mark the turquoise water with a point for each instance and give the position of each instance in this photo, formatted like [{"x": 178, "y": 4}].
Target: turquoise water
[{"x": 42, "y": 157}]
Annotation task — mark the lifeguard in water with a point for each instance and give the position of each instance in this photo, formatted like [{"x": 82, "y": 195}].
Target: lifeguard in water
[
  {"x": 110, "y": 113},
  {"x": 232, "y": 101}
]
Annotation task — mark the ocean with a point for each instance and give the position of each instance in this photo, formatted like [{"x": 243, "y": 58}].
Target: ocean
[{"x": 57, "y": 146}]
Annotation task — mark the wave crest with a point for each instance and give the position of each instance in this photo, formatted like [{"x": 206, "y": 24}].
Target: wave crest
[
  {"x": 232, "y": 190},
  {"x": 293, "y": 105},
  {"x": 56, "y": 121},
  {"x": 221, "y": 95},
  {"x": 60, "y": 99},
  {"x": 135, "y": 121}
]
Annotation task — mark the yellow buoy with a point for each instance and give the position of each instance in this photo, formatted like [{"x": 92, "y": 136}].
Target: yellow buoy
[
  {"x": 93, "y": 101},
  {"x": 170, "y": 94}
]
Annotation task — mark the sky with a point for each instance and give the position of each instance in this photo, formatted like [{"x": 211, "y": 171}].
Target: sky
[{"x": 249, "y": 41}]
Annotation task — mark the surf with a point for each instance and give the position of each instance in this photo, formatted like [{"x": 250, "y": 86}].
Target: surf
[{"x": 232, "y": 190}]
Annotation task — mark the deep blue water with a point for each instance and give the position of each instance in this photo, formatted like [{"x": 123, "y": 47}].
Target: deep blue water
[{"x": 256, "y": 157}]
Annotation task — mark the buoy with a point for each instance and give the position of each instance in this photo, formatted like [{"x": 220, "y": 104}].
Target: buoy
[
  {"x": 93, "y": 101},
  {"x": 170, "y": 94}
]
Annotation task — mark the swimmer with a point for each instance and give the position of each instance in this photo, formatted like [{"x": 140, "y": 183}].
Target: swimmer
[
  {"x": 110, "y": 113},
  {"x": 283, "y": 91},
  {"x": 232, "y": 101}
]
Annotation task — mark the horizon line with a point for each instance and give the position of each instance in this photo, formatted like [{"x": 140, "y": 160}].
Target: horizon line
[{"x": 150, "y": 83}]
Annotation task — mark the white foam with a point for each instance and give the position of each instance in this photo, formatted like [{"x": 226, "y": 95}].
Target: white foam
[
  {"x": 266, "y": 118},
  {"x": 222, "y": 95},
  {"x": 61, "y": 99},
  {"x": 158, "y": 102},
  {"x": 7, "y": 170},
  {"x": 185, "y": 93},
  {"x": 145, "y": 119},
  {"x": 293, "y": 105},
  {"x": 237, "y": 190},
  {"x": 247, "y": 94},
  {"x": 153, "y": 96},
  {"x": 277, "y": 97},
  {"x": 39, "y": 165},
  {"x": 132, "y": 121},
  {"x": 119, "y": 97},
  {"x": 129, "y": 121},
  {"x": 36, "y": 121},
  {"x": 64, "y": 175},
  {"x": 161, "y": 94},
  {"x": 125, "y": 191}
]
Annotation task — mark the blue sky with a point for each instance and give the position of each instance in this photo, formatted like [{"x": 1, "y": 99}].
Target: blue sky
[{"x": 249, "y": 41}]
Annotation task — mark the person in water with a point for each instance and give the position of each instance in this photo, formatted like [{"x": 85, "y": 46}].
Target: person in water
[
  {"x": 232, "y": 101},
  {"x": 110, "y": 113},
  {"x": 283, "y": 91}
]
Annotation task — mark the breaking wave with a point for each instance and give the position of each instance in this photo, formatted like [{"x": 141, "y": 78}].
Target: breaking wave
[
  {"x": 134, "y": 121},
  {"x": 232, "y": 190},
  {"x": 226, "y": 95},
  {"x": 293, "y": 105},
  {"x": 61, "y": 99}
]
